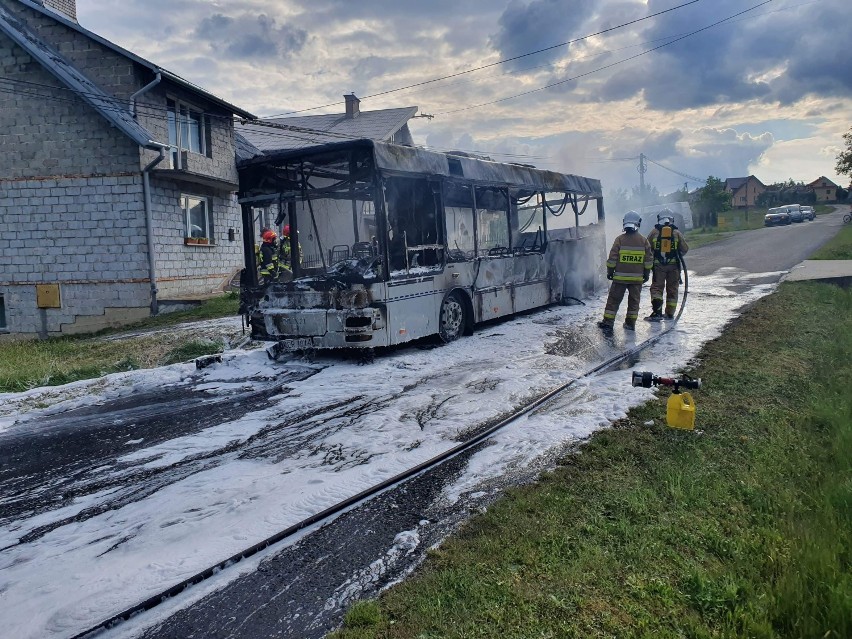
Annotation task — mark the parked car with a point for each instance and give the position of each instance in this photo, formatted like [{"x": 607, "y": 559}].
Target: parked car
[
  {"x": 776, "y": 217},
  {"x": 796, "y": 214},
  {"x": 808, "y": 213}
]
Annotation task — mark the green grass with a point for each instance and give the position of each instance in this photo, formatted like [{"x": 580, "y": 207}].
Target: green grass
[
  {"x": 221, "y": 306},
  {"x": 729, "y": 222},
  {"x": 30, "y": 363},
  {"x": 741, "y": 530},
  {"x": 837, "y": 248}
]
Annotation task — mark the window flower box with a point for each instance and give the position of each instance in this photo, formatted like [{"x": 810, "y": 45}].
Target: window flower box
[{"x": 196, "y": 240}]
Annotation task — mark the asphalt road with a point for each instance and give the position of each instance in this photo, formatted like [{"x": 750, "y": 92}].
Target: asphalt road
[
  {"x": 45, "y": 463},
  {"x": 303, "y": 590},
  {"x": 770, "y": 249}
]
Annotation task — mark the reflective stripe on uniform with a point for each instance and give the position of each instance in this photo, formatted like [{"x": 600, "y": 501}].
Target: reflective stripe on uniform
[{"x": 631, "y": 278}]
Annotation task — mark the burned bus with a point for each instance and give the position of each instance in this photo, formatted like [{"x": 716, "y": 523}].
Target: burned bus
[{"x": 390, "y": 243}]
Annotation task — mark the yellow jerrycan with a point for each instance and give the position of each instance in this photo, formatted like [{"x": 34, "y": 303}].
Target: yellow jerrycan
[{"x": 680, "y": 411}]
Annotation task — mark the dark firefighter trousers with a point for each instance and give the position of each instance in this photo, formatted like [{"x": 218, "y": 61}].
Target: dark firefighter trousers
[
  {"x": 616, "y": 294},
  {"x": 666, "y": 277}
]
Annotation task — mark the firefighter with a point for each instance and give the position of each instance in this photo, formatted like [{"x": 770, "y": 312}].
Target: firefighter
[
  {"x": 268, "y": 263},
  {"x": 629, "y": 266},
  {"x": 285, "y": 246},
  {"x": 286, "y": 249},
  {"x": 668, "y": 244},
  {"x": 258, "y": 258}
]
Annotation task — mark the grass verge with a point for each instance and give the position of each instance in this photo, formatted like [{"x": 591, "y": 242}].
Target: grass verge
[
  {"x": 741, "y": 530},
  {"x": 837, "y": 248},
  {"x": 30, "y": 363},
  {"x": 728, "y": 223}
]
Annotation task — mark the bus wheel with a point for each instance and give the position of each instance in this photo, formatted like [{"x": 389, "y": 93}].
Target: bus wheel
[{"x": 452, "y": 318}]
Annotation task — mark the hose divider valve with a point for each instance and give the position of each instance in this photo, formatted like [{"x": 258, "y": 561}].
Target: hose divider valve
[{"x": 680, "y": 410}]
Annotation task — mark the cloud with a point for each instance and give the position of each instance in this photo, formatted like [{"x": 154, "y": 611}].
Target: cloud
[
  {"x": 768, "y": 71},
  {"x": 250, "y": 36},
  {"x": 539, "y": 24},
  {"x": 766, "y": 55}
]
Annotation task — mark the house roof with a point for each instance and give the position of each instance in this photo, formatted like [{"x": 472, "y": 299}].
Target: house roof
[
  {"x": 822, "y": 178},
  {"x": 244, "y": 149},
  {"x": 172, "y": 77},
  {"x": 112, "y": 110},
  {"x": 281, "y": 134},
  {"x": 734, "y": 183}
]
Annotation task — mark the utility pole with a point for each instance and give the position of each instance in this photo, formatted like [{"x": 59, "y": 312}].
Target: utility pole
[{"x": 642, "y": 169}]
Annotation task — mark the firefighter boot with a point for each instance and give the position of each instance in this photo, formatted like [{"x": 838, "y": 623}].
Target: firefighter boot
[
  {"x": 630, "y": 324},
  {"x": 656, "y": 311},
  {"x": 606, "y": 324}
]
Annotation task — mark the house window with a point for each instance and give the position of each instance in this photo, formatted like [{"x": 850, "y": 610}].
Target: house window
[
  {"x": 187, "y": 130},
  {"x": 2, "y": 313},
  {"x": 742, "y": 198},
  {"x": 198, "y": 222}
]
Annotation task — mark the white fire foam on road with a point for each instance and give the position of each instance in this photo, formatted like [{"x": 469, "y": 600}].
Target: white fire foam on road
[{"x": 254, "y": 476}]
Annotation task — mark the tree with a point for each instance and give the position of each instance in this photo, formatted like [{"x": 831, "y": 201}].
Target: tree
[
  {"x": 619, "y": 201},
  {"x": 651, "y": 197},
  {"x": 681, "y": 195},
  {"x": 712, "y": 200},
  {"x": 844, "y": 158}
]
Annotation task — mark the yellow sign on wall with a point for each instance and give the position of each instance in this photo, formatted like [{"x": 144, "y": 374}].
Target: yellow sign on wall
[{"x": 47, "y": 296}]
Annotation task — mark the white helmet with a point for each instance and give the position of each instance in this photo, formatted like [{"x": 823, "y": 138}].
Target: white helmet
[
  {"x": 665, "y": 217},
  {"x": 631, "y": 221}
]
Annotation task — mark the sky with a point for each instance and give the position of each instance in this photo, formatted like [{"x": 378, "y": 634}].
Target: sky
[
  {"x": 136, "y": 525},
  {"x": 767, "y": 92}
]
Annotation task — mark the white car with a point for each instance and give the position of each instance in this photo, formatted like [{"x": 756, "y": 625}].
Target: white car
[{"x": 808, "y": 213}]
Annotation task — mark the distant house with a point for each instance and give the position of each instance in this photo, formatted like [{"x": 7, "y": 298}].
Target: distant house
[
  {"x": 824, "y": 189},
  {"x": 744, "y": 190},
  {"x": 282, "y": 134},
  {"x": 117, "y": 179}
]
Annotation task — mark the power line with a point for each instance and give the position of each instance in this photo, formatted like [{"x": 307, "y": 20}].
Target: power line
[
  {"x": 304, "y": 133},
  {"x": 609, "y": 51},
  {"x": 150, "y": 108},
  {"x": 118, "y": 101},
  {"x": 494, "y": 64},
  {"x": 307, "y": 135},
  {"x": 685, "y": 175},
  {"x": 608, "y": 66}
]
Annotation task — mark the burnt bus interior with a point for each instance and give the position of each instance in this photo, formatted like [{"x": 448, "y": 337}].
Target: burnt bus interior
[{"x": 351, "y": 221}]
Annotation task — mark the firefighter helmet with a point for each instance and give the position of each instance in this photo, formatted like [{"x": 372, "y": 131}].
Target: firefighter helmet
[
  {"x": 665, "y": 217},
  {"x": 286, "y": 230},
  {"x": 269, "y": 236},
  {"x": 631, "y": 221}
]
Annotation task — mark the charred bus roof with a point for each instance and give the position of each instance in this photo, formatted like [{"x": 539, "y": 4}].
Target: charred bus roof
[{"x": 262, "y": 177}]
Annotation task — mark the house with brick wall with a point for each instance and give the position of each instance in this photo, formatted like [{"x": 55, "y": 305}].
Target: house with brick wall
[
  {"x": 824, "y": 189},
  {"x": 744, "y": 191},
  {"x": 118, "y": 179}
]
